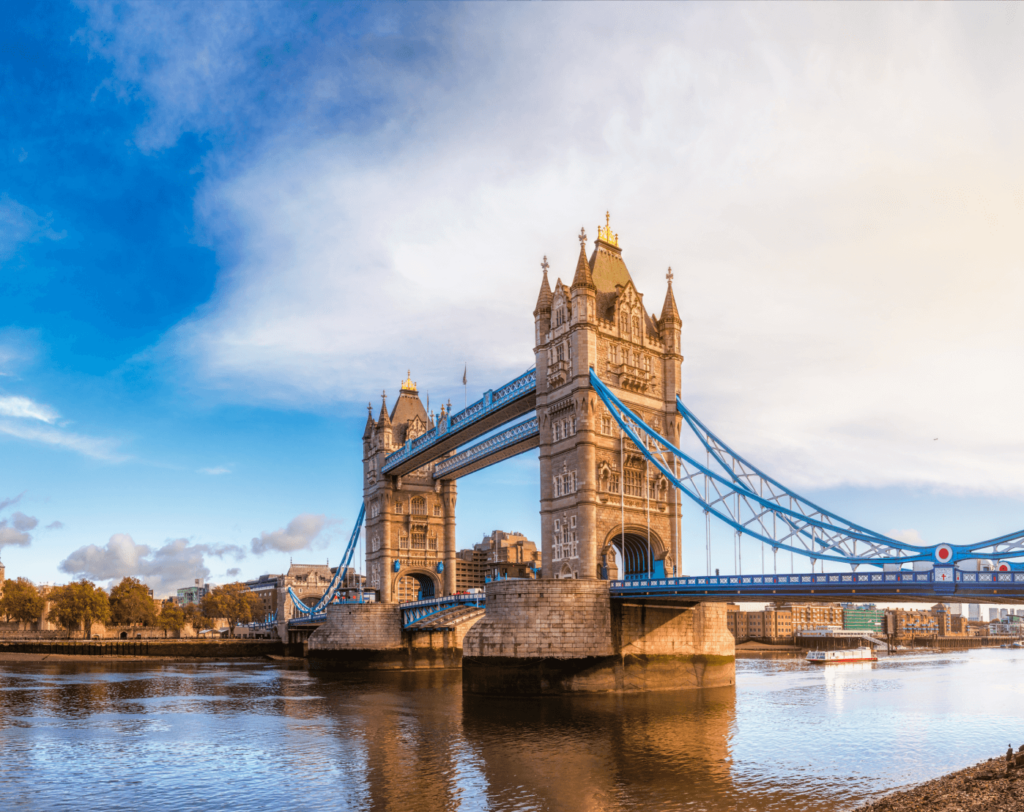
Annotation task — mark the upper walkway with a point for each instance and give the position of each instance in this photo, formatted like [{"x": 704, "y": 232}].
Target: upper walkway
[
  {"x": 496, "y": 408},
  {"x": 939, "y": 584}
]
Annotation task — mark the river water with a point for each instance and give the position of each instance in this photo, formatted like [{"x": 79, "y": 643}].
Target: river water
[{"x": 253, "y": 736}]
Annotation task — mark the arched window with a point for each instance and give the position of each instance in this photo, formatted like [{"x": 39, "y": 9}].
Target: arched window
[
  {"x": 418, "y": 506},
  {"x": 419, "y": 539},
  {"x": 636, "y": 328}
]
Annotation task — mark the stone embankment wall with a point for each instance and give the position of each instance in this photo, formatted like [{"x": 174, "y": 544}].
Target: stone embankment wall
[
  {"x": 147, "y": 648},
  {"x": 30, "y": 631},
  {"x": 370, "y": 637},
  {"x": 568, "y": 636}
]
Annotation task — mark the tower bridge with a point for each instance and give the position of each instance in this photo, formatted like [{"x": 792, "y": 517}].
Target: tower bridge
[{"x": 611, "y": 610}]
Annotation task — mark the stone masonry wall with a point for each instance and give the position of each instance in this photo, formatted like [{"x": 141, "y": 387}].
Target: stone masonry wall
[
  {"x": 365, "y": 627},
  {"x": 564, "y": 619},
  {"x": 650, "y": 629}
]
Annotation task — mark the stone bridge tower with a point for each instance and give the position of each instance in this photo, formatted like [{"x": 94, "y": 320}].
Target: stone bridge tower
[
  {"x": 410, "y": 520},
  {"x": 597, "y": 491}
]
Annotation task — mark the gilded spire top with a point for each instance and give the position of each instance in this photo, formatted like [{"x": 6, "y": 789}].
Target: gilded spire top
[
  {"x": 408, "y": 386},
  {"x": 604, "y": 234}
]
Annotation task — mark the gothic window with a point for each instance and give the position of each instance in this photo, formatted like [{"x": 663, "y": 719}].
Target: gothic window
[
  {"x": 647, "y": 363},
  {"x": 557, "y": 541},
  {"x": 398, "y": 507},
  {"x": 573, "y": 424},
  {"x": 606, "y": 424},
  {"x": 403, "y": 541},
  {"x": 573, "y": 548},
  {"x": 437, "y": 509},
  {"x": 561, "y": 352},
  {"x": 565, "y": 428},
  {"x": 613, "y": 483},
  {"x": 572, "y": 483},
  {"x": 555, "y": 428},
  {"x": 432, "y": 542},
  {"x": 636, "y": 328},
  {"x": 634, "y": 483},
  {"x": 418, "y": 506},
  {"x": 419, "y": 539},
  {"x": 375, "y": 543},
  {"x": 623, "y": 324},
  {"x": 374, "y": 509}
]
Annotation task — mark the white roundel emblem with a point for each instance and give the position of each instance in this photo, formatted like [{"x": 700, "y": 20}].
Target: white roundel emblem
[
  {"x": 944, "y": 554},
  {"x": 1003, "y": 567}
]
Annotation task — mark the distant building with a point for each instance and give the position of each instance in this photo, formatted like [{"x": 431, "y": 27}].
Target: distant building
[
  {"x": 471, "y": 569},
  {"x": 308, "y": 581},
  {"x": 974, "y": 611},
  {"x": 993, "y": 614},
  {"x": 499, "y": 555},
  {"x": 902, "y": 622},
  {"x": 773, "y": 623},
  {"x": 193, "y": 594},
  {"x": 814, "y": 615},
  {"x": 1003, "y": 615},
  {"x": 866, "y": 617}
]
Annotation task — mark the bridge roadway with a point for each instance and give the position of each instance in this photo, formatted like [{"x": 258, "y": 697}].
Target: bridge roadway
[
  {"x": 909, "y": 587},
  {"x": 496, "y": 408}
]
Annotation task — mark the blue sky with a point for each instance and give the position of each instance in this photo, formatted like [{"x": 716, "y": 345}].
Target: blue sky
[{"x": 225, "y": 227}]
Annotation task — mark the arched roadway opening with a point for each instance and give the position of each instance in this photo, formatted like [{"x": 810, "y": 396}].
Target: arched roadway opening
[
  {"x": 415, "y": 585},
  {"x": 629, "y": 554}
]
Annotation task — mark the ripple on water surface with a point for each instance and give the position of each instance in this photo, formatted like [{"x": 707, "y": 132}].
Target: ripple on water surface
[{"x": 790, "y": 736}]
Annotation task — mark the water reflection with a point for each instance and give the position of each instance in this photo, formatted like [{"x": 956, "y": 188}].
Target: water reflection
[{"x": 199, "y": 736}]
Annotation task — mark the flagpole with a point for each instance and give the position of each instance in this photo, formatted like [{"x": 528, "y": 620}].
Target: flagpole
[{"x": 465, "y": 386}]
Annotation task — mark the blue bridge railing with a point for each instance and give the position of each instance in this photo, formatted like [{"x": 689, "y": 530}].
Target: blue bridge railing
[
  {"x": 417, "y": 610},
  {"x": 492, "y": 445},
  {"x": 492, "y": 401}
]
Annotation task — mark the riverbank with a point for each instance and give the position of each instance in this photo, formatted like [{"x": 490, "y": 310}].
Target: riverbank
[
  {"x": 752, "y": 646},
  {"x": 984, "y": 787},
  {"x": 141, "y": 649}
]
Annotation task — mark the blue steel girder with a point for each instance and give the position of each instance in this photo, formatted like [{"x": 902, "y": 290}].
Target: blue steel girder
[
  {"x": 508, "y": 443},
  {"x": 781, "y": 518},
  {"x": 938, "y": 584},
  {"x": 339, "y": 573},
  {"x": 417, "y": 610},
  {"x": 496, "y": 408}
]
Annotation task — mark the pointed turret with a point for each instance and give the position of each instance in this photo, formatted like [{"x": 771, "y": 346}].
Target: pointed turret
[
  {"x": 669, "y": 312},
  {"x": 544, "y": 297},
  {"x": 384, "y": 419},
  {"x": 370, "y": 425},
  {"x": 583, "y": 278}
]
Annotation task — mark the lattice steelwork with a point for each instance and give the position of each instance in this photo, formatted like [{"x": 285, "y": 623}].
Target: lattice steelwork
[{"x": 756, "y": 505}]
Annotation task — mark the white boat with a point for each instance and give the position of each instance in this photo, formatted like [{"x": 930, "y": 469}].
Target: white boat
[{"x": 844, "y": 655}]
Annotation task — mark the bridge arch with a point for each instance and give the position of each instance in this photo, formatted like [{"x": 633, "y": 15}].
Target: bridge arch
[
  {"x": 415, "y": 584},
  {"x": 633, "y": 557}
]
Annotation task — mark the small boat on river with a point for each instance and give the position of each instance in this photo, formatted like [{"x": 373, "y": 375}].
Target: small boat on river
[{"x": 845, "y": 655}]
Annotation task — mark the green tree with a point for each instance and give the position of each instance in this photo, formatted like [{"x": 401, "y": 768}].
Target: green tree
[
  {"x": 172, "y": 618},
  {"x": 22, "y": 601},
  {"x": 78, "y": 604},
  {"x": 131, "y": 605},
  {"x": 234, "y": 602}
]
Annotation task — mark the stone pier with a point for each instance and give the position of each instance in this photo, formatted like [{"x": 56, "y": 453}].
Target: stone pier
[
  {"x": 370, "y": 637},
  {"x": 568, "y": 636}
]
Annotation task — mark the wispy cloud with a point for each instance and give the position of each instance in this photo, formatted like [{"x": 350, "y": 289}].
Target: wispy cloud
[
  {"x": 96, "y": 447},
  {"x": 16, "y": 406},
  {"x": 838, "y": 197},
  {"x": 55, "y": 525},
  {"x": 19, "y": 224},
  {"x": 218, "y": 471}
]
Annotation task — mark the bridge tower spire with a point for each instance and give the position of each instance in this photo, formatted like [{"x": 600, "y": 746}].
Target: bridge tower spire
[{"x": 597, "y": 491}]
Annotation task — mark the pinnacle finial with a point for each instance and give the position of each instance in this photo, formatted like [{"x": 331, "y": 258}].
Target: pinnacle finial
[
  {"x": 669, "y": 276},
  {"x": 369, "y": 408},
  {"x": 604, "y": 233},
  {"x": 544, "y": 265},
  {"x": 384, "y": 395},
  {"x": 583, "y": 237}
]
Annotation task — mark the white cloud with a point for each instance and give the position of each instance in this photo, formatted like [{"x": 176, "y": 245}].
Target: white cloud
[
  {"x": 837, "y": 188},
  {"x": 299, "y": 535},
  {"x": 12, "y": 537},
  {"x": 16, "y": 406},
  {"x": 218, "y": 471},
  {"x": 908, "y": 536},
  {"x": 55, "y": 525},
  {"x": 23, "y": 522},
  {"x": 175, "y": 564}
]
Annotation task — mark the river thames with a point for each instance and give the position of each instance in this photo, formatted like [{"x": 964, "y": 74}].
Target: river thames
[{"x": 254, "y": 736}]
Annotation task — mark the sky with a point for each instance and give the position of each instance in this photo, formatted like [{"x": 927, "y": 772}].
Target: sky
[{"x": 226, "y": 227}]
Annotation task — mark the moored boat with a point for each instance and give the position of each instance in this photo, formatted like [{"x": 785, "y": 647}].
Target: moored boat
[{"x": 846, "y": 655}]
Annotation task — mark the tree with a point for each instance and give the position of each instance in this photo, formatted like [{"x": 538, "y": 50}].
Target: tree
[
  {"x": 77, "y": 604},
  {"x": 172, "y": 618},
  {"x": 193, "y": 615},
  {"x": 131, "y": 605},
  {"x": 234, "y": 602},
  {"x": 22, "y": 601}
]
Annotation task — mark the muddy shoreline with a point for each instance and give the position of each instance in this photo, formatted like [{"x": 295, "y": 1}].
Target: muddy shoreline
[{"x": 985, "y": 787}]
